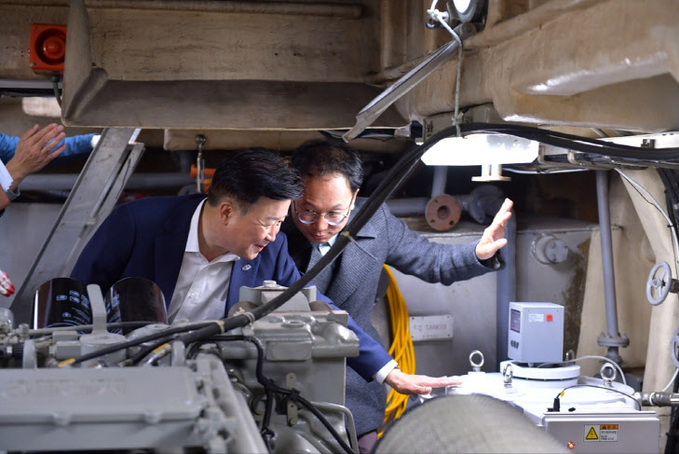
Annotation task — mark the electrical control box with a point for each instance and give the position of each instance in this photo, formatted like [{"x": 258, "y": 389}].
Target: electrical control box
[{"x": 535, "y": 332}]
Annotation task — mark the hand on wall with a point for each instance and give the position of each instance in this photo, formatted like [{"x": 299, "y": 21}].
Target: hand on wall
[{"x": 34, "y": 151}]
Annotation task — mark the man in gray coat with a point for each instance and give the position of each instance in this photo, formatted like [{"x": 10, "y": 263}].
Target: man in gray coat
[{"x": 332, "y": 176}]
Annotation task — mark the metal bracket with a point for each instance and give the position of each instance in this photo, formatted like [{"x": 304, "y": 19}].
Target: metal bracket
[
  {"x": 407, "y": 82},
  {"x": 200, "y": 164},
  {"x": 292, "y": 410}
]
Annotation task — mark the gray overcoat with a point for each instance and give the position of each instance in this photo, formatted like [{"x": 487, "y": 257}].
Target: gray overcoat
[{"x": 351, "y": 282}]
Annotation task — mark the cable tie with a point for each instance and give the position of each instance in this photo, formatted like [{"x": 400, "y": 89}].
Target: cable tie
[
  {"x": 293, "y": 396},
  {"x": 249, "y": 315},
  {"x": 160, "y": 348},
  {"x": 348, "y": 236},
  {"x": 221, "y": 324},
  {"x": 66, "y": 362}
]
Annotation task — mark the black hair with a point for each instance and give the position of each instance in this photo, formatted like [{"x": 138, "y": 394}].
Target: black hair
[
  {"x": 246, "y": 175},
  {"x": 320, "y": 157}
]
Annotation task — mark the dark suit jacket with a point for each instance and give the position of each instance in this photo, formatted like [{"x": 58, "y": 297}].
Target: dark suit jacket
[
  {"x": 147, "y": 237},
  {"x": 353, "y": 283}
]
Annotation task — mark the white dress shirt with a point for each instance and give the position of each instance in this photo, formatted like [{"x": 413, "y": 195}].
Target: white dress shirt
[
  {"x": 202, "y": 286},
  {"x": 6, "y": 181}
]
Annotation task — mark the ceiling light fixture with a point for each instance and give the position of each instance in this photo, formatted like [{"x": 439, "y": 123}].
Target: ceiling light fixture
[{"x": 489, "y": 151}]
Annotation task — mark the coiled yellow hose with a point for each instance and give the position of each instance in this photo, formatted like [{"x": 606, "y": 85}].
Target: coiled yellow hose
[{"x": 401, "y": 347}]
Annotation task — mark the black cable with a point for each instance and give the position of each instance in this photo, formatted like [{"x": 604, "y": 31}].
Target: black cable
[
  {"x": 383, "y": 133},
  {"x": 88, "y": 328},
  {"x": 578, "y": 143},
  {"x": 317, "y": 413},
  {"x": 402, "y": 169},
  {"x": 636, "y": 401},
  {"x": 396, "y": 175},
  {"x": 271, "y": 387},
  {"x": 265, "y": 430},
  {"x": 55, "y": 85},
  {"x": 671, "y": 183},
  {"x": 132, "y": 343}
]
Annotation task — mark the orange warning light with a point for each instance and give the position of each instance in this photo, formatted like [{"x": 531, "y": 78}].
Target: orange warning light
[
  {"x": 571, "y": 445},
  {"x": 47, "y": 50}
]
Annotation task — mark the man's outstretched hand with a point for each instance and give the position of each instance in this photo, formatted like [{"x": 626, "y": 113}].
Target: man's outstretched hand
[
  {"x": 417, "y": 384},
  {"x": 493, "y": 238}
]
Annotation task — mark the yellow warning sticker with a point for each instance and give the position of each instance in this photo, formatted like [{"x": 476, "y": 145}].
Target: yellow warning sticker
[
  {"x": 601, "y": 432},
  {"x": 591, "y": 434}
]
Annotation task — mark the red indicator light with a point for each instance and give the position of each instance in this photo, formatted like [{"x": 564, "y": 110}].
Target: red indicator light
[
  {"x": 549, "y": 317},
  {"x": 571, "y": 445}
]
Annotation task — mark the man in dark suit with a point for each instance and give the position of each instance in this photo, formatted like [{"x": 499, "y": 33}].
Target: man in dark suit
[
  {"x": 332, "y": 176},
  {"x": 200, "y": 251}
]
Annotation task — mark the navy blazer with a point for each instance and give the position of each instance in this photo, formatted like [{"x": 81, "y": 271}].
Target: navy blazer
[{"x": 147, "y": 237}]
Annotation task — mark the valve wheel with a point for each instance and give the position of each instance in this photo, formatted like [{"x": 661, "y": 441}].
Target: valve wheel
[{"x": 659, "y": 283}]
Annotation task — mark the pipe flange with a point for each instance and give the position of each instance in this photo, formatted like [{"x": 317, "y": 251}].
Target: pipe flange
[
  {"x": 606, "y": 340},
  {"x": 484, "y": 201},
  {"x": 443, "y": 212}
]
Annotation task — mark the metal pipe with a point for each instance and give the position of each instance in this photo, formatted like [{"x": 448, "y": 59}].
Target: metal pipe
[
  {"x": 65, "y": 181},
  {"x": 607, "y": 251},
  {"x": 414, "y": 206},
  {"x": 612, "y": 339},
  {"x": 407, "y": 82},
  {"x": 438, "y": 182},
  {"x": 658, "y": 399},
  {"x": 330, "y": 9},
  {"x": 19, "y": 84},
  {"x": 506, "y": 289}
]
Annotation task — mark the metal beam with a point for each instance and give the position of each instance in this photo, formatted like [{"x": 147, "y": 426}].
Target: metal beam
[{"x": 93, "y": 197}]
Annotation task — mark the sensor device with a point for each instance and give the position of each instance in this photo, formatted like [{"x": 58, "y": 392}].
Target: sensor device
[{"x": 535, "y": 332}]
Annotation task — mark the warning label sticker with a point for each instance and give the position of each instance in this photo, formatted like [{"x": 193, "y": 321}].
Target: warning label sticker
[
  {"x": 536, "y": 318},
  {"x": 591, "y": 435},
  {"x": 601, "y": 432}
]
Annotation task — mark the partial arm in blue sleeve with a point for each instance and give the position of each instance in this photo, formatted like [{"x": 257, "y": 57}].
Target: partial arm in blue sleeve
[
  {"x": 77, "y": 144},
  {"x": 74, "y": 145}
]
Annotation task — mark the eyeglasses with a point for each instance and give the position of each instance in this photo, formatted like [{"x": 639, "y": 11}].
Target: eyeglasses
[{"x": 331, "y": 217}]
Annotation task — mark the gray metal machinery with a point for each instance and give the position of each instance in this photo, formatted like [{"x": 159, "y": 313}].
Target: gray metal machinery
[
  {"x": 275, "y": 385},
  {"x": 585, "y": 414}
]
